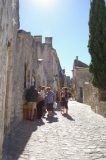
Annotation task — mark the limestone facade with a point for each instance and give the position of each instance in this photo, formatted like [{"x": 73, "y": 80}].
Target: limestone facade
[
  {"x": 9, "y": 23},
  {"x": 51, "y": 64},
  {"x": 95, "y": 98},
  {"x": 48, "y": 63},
  {"x": 41, "y": 76},
  {"x": 24, "y": 73}
]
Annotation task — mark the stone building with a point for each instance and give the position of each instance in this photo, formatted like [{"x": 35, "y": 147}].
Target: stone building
[{"x": 80, "y": 75}]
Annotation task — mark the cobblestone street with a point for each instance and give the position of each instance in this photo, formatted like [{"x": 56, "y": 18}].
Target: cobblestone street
[{"x": 81, "y": 135}]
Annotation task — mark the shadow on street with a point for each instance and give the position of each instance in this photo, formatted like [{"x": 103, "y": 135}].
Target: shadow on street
[
  {"x": 52, "y": 119},
  {"x": 39, "y": 122},
  {"x": 68, "y": 117},
  {"x": 18, "y": 139}
]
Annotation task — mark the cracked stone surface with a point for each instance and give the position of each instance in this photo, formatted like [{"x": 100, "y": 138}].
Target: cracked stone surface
[{"x": 80, "y": 135}]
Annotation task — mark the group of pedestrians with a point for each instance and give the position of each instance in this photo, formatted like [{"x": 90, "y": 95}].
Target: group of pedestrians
[
  {"x": 40, "y": 100},
  {"x": 43, "y": 101}
]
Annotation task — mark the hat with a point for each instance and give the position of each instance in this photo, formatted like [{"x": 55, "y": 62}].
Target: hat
[
  {"x": 43, "y": 87},
  {"x": 48, "y": 87},
  {"x": 64, "y": 88}
]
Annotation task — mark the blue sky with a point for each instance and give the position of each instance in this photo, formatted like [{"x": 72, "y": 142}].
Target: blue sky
[{"x": 64, "y": 20}]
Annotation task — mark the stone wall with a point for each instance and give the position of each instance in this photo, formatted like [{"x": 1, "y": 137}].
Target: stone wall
[
  {"x": 41, "y": 78},
  {"x": 93, "y": 97},
  {"x": 9, "y": 23},
  {"x": 27, "y": 67},
  {"x": 22, "y": 74},
  {"x": 48, "y": 60}
]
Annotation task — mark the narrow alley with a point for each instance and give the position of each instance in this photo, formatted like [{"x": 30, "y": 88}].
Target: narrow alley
[{"x": 81, "y": 135}]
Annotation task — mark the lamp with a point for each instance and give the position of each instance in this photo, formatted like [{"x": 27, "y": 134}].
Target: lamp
[{"x": 40, "y": 60}]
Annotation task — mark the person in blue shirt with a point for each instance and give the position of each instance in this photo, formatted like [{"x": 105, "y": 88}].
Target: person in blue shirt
[{"x": 50, "y": 99}]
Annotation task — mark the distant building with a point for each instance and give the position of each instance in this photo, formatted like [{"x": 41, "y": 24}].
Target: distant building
[{"x": 81, "y": 74}]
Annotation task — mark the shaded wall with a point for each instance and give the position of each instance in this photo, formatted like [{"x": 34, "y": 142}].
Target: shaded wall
[
  {"x": 9, "y": 23},
  {"x": 24, "y": 70}
]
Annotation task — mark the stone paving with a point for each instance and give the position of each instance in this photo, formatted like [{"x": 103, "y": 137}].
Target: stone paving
[{"x": 81, "y": 135}]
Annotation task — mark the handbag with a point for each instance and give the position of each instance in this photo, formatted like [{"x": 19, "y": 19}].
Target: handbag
[{"x": 55, "y": 105}]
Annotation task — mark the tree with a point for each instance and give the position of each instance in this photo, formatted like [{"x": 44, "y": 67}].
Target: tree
[{"x": 97, "y": 43}]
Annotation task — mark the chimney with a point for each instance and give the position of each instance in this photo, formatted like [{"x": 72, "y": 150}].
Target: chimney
[
  {"x": 77, "y": 60},
  {"x": 38, "y": 39},
  {"x": 48, "y": 40}
]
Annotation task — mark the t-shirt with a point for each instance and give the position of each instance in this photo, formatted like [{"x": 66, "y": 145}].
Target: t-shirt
[
  {"x": 42, "y": 92},
  {"x": 66, "y": 96},
  {"x": 50, "y": 96}
]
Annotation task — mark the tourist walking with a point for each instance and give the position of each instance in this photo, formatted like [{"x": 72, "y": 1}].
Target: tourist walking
[
  {"x": 66, "y": 100},
  {"x": 50, "y": 99},
  {"x": 31, "y": 97}
]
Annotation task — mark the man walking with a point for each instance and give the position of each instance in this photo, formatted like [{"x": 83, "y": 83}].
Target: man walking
[{"x": 31, "y": 97}]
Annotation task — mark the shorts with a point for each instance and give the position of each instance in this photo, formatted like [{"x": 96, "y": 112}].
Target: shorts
[
  {"x": 62, "y": 103},
  {"x": 49, "y": 106},
  {"x": 31, "y": 105},
  {"x": 66, "y": 104}
]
